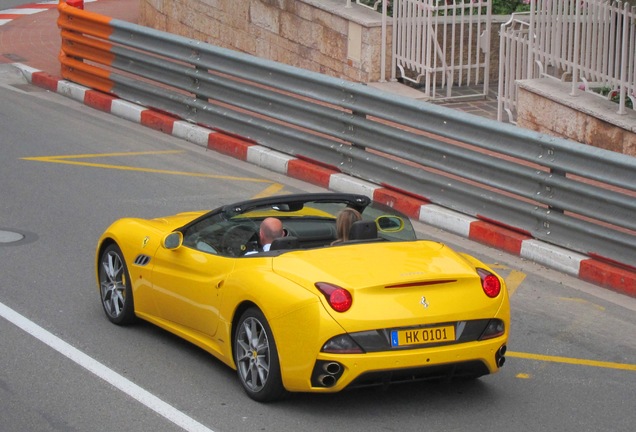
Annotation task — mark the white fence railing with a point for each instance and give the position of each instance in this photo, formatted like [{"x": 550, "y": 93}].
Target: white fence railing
[
  {"x": 442, "y": 44},
  {"x": 590, "y": 43}
]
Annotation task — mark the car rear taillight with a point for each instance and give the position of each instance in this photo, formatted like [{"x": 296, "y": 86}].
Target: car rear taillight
[
  {"x": 339, "y": 298},
  {"x": 489, "y": 283}
]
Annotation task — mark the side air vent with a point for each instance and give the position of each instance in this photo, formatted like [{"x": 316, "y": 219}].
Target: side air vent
[{"x": 142, "y": 260}]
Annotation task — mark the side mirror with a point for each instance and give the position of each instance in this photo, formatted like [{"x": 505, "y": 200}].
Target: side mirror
[
  {"x": 173, "y": 241},
  {"x": 389, "y": 223}
]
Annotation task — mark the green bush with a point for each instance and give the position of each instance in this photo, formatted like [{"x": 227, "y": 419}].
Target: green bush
[
  {"x": 506, "y": 7},
  {"x": 499, "y": 7},
  {"x": 614, "y": 96}
]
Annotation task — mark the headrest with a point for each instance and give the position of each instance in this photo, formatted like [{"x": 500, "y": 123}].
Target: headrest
[
  {"x": 363, "y": 230},
  {"x": 281, "y": 243}
]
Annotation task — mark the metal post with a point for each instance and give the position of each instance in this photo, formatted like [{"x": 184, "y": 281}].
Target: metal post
[
  {"x": 383, "y": 46},
  {"x": 624, "y": 61},
  {"x": 79, "y": 4},
  {"x": 577, "y": 47}
]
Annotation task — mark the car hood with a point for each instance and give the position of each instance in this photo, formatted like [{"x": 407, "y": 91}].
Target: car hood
[{"x": 393, "y": 283}]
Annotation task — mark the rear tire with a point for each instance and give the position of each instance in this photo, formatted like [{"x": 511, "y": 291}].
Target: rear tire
[
  {"x": 114, "y": 286},
  {"x": 256, "y": 358}
]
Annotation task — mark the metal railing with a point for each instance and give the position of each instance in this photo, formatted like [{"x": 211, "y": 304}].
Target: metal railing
[
  {"x": 367, "y": 4},
  {"x": 445, "y": 44},
  {"x": 513, "y": 64},
  {"x": 575, "y": 196},
  {"x": 590, "y": 43}
]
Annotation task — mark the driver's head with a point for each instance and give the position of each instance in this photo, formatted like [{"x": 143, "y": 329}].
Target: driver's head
[{"x": 271, "y": 228}]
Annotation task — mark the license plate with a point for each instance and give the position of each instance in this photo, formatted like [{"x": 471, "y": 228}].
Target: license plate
[{"x": 422, "y": 336}]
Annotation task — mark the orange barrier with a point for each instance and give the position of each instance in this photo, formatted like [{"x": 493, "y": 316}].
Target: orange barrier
[{"x": 85, "y": 46}]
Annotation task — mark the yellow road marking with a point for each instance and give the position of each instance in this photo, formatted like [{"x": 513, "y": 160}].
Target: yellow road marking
[
  {"x": 580, "y": 300},
  {"x": 66, "y": 160},
  {"x": 269, "y": 191},
  {"x": 574, "y": 361},
  {"x": 513, "y": 281}
]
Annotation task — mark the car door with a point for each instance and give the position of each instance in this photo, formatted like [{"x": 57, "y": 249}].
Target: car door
[{"x": 188, "y": 287}]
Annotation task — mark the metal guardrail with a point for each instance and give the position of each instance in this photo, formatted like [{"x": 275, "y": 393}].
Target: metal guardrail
[{"x": 575, "y": 196}]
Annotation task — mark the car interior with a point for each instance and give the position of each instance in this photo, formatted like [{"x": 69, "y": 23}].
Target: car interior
[{"x": 307, "y": 226}]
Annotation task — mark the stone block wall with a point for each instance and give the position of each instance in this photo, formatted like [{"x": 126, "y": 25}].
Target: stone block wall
[
  {"x": 322, "y": 36},
  {"x": 546, "y": 106}
]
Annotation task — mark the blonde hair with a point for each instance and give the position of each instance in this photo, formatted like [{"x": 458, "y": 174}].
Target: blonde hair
[{"x": 344, "y": 221}]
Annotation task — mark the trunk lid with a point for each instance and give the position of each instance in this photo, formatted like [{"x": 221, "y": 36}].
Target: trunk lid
[{"x": 393, "y": 283}]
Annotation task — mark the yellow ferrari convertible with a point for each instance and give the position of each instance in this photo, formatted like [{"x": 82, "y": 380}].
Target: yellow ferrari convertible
[{"x": 311, "y": 314}]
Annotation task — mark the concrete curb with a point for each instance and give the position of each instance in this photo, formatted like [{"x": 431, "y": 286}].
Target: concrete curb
[{"x": 584, "y": 267}]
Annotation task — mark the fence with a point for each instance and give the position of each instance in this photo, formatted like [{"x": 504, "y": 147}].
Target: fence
[
  {"x": 445, "y": 44},
  {"x": 591, "y": 43},
  {"x": 564, "y": 193}
]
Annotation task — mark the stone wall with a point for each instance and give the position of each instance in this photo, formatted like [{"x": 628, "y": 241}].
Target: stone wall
[
  {"x": 546, "y": 106},
  {"x": 319, "y": 35}
]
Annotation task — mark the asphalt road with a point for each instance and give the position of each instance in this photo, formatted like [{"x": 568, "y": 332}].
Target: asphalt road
[
  {"x": 67, "y": 171},
  {"x": 8, "y": 4}
]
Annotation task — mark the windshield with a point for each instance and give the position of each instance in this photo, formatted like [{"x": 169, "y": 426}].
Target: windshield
[{"x": 233, "y": 231}]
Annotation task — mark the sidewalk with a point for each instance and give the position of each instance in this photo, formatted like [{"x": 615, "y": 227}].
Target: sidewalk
[
  {"x": 29, "y": 35},
  {"x": 476, "y": 105}
]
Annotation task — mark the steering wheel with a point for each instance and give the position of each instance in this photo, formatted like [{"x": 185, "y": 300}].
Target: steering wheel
[{"x": 236, "y": 238}]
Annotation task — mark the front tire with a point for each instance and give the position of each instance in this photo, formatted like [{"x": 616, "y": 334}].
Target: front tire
[
  {"x": 114, "y": 286},
  {"x": 256, "y": 358}
]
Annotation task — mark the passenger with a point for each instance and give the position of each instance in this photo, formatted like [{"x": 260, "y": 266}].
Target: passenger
[
  {"x": 345, "y": 219},
  {"x": 271, "y": 228}
]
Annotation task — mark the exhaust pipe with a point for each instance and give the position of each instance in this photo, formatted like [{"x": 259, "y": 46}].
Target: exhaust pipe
[
  {"x": 332, "y": 368},
  {"x": 326, "y": 373},
  {"x": 327, "y": 380},
  {"x": 500, "y": 358}
]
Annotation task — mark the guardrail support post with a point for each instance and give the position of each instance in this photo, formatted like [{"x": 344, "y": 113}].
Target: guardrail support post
[
  {"x": 202, "y": 71},
  {"x": 362, "y": 115},
  {"x": 561, "y": 173}
]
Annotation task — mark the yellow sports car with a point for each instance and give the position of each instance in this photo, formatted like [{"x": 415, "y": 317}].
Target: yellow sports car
[{"x": 314, "y": 313}]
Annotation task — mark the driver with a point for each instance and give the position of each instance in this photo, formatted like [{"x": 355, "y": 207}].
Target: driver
[{"x": 271, "y": 228}]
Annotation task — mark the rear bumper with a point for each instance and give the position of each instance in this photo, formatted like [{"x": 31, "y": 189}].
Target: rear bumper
[
  {"x": 471, "y": 369},
  {"x": 333, "y": 373}
]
